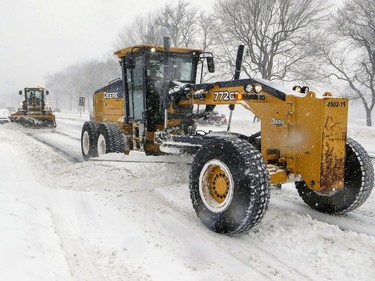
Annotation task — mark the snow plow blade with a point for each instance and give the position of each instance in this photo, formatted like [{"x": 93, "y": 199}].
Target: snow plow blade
[{"x": 36, "y": 121}]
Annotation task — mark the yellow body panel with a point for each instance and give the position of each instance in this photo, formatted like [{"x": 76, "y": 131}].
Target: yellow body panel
[
  {"x": 278, "y": 176},
  {"x": 303, "y": 134},
  {"x": 107, "y": 109}
]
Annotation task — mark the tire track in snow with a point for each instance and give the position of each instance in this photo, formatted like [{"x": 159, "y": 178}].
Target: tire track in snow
[
  {"x": 350, "y": 221},
  {"x": 241, "y": 248},
  {"x": 67, "y": 135},
  {"x": 65, "y": 221},
  {"x": 254, "y": 252},
  {"x": 85, "y": 225},
  {"x": 66, "y": 155}
]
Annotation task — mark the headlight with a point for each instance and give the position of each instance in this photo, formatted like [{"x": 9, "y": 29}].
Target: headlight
[
  {"x": 249, "y": 88},
  {"x": 258, "y": 88},
  {"x": 297, "y": 89}
]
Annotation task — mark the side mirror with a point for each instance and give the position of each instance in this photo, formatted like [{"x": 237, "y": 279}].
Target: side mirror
[
  {"x": 211, "y": 64},
  {"x": 130, "y": 61},
  {"x": 20, "y": 92},
  {"x": 47, "y": 92}
]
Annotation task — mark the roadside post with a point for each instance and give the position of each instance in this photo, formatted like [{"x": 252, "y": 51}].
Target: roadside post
[{"x": 81, "y": 105}]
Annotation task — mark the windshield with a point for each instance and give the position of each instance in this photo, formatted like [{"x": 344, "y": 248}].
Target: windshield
[
  {"x": 182, "y": 69},
  {"x": 34, "y": 93}
]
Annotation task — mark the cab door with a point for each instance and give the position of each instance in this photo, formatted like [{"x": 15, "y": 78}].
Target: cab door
[{"x": 135, "y": 82}]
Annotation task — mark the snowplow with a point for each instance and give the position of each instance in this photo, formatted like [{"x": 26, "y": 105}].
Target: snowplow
[
  {"x": 303, "y": 137},
  {"x": 34, "y": 111}
]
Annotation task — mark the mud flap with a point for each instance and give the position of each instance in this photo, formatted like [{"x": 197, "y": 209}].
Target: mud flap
[{"x": 334, "y": 143}]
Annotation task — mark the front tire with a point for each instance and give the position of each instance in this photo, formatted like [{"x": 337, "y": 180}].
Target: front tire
[
  {"x": 229, "y": 185},
  {"x": 358, "y": 183}
]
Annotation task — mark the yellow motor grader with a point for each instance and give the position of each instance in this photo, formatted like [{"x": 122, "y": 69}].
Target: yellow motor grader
[
  {"x": 34, "y": 111},
  {"x": 303, "y": 137}
]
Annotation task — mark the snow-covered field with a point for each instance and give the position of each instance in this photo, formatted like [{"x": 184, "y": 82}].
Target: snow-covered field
[{"x": 63, "y": 219}]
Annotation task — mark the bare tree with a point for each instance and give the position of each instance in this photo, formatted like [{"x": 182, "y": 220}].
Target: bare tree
[
  {"x": 143, "y": 30},
  {"x": 81, "y": 80},
  {"x": 274, "y": 33},
  {"x": 205, "y": 30},
  {"x": 179, "y": 23},
  {"x": 349, "y": 50},
  {"x": 54, "y": 85}
]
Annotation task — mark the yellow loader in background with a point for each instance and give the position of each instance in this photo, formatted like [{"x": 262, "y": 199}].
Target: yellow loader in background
[{"x": 34, "y": 111}]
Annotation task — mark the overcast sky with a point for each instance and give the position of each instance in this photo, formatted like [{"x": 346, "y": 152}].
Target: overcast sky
[{"x": 38, "y": 37}]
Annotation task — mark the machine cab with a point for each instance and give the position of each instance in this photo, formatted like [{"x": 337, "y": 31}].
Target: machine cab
[
  {"x": 143, "y": 69},
  {"x": 34, "y": 98}
]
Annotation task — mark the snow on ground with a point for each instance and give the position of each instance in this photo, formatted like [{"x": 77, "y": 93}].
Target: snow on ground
[
  {"x": 30, "y": 246},
  {"x": 111, "y": 220}
]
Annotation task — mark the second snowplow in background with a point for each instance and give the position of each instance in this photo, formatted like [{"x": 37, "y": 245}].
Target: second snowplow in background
[{"x": 34, "y": 111}]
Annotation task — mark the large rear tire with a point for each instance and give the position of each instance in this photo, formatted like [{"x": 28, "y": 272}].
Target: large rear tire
[
  {"x": 89, "y": 136},
  {"x": 358, "y": 183},
  {"x": 110, "y": 139},
  {"x": 118, "y": 138},
  {"x": 229, "y": 185}
]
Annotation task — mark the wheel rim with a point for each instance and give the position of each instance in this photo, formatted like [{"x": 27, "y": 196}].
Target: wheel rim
[
  {"x": 216, "y": 186},
  {"x": 102, "y": 146},
  {"x": 86, "y": 143}
]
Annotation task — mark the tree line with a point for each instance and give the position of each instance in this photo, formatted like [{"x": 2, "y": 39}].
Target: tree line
[{"x": 299, "y": 41}]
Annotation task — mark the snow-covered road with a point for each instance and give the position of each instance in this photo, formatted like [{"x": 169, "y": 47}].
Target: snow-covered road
[{"x": 69, "y": 220}]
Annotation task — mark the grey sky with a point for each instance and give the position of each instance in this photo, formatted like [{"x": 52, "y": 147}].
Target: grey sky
[{"x": 38, "y": 37}]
